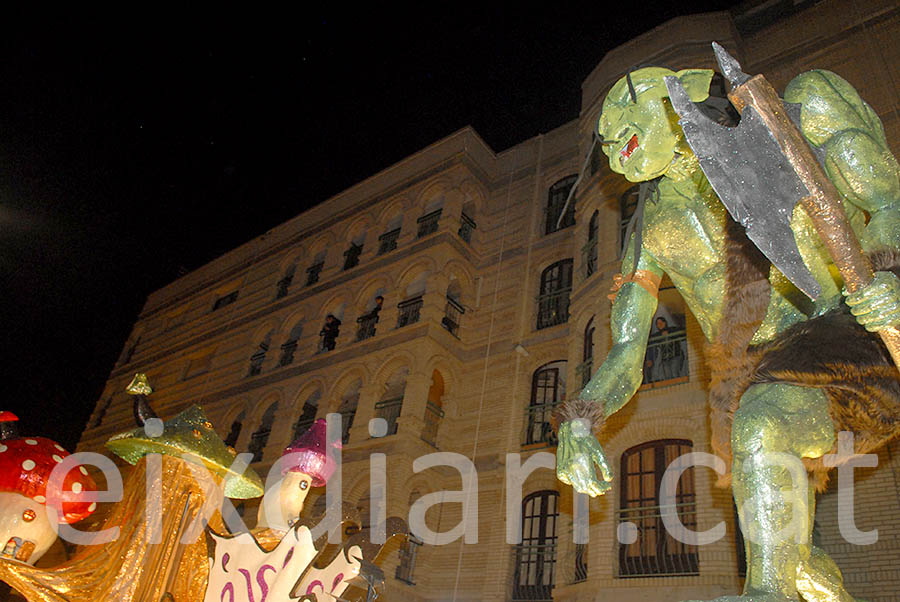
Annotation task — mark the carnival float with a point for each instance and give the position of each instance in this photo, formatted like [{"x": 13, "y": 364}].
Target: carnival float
[{"x": 166, "y": 540}]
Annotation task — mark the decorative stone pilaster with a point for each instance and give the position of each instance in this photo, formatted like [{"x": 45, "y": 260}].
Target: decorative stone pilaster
[{"x": 365, "y": 411}]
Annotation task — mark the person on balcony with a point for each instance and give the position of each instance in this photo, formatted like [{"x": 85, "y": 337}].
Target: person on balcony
[{"x": 330, "y": 332}]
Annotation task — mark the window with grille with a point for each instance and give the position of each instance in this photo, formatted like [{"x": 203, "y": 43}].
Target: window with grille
[
  {"x": 548, "y": 388},
  {"x": 225, "y": 300},
  {"x": 452, "y": 315},
  {"x": 627, "y": 205},
  {"x": 387, "y": 242},
  {"x": 589, "y": 251},
  {"x": 408, "y": 560},
  {"x": 284, "y": 284},
  {"x": 553, "y": 300},
  {"x": 235, "y": 430},
  {"x": 313, "y": 272},
  {"x": 260, "y": 436},
  {"x": 428, "y": 223},
  {"x": 536, "y": 555},
  {"x": 654, "y": 552},
  {"x": 466, "y": 228},
  {"x": 556, "y": 202},
  {"x": 409, "y": 311},
  {"x": 351, "y": 256},
  {"x": 586, "y": 368}
]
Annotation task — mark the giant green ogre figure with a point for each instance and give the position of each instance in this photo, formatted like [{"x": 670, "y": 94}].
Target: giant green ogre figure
[{"x": 764, "y": 401}]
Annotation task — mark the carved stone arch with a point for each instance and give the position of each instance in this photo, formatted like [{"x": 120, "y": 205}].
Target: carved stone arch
[
  {"x": 473, "y": 193},
  {"x": 584, "y": 316},
  {"x": 294, "y": 256},
  {"x": 388, "y": 213},
  {"x": 398, "y": 361},
  {"x": 448, "y": 369},
  {"x": 460, "y": 272},
  {"x": 358, "y": 491},
  {"x": 347, "y": 380},
  {"x": 338, "y": 303},
  {"x": 380, "y": 284},
  {"x": 232, "y": 411},
  {"x": 267, "y": 398},
  {"x": 310, "y": 386},
  {"x": 539, "y": 480},
  {"x": 362, "y": 224},
  {"x": 636, "y": 432},
  {"x": 433, "y": 191},
  {"x": 270, "y": 325},
  {"x": 422, "y": 268},
  {"x": 298, "y": 316},
  {"x": 320, "y": 244}
]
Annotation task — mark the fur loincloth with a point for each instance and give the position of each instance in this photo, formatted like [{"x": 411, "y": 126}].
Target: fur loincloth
[{"x": 831, "y": 352}]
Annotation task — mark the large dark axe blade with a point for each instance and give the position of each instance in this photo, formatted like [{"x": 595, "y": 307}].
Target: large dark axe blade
[
  {"x": 753, "y": 179},
  {"x": 762, "y": 168}
]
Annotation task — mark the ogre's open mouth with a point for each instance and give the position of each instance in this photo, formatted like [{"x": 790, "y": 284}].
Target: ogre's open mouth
[{"x": 630, "y": 147}]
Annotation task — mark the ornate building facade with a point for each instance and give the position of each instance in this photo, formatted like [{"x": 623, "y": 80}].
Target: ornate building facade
[{"x": 454, "y": 297}]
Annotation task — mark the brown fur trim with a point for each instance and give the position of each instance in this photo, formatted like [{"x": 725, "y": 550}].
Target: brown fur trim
[
  {"x": 831, "y": 352},
  {"x": 581, "y": 408}
]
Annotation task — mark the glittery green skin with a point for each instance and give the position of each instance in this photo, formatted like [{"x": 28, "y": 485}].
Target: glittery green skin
[
  {"x": 190, "y": 436},
  {"x": 683, "y": 236}
]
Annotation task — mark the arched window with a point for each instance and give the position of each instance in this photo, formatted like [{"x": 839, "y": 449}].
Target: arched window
[
  {"x": 387, "y": 242},
  {"x": 235, "y": 430},
  {"x": 627, "y": 204},
  {"x": 351, "y": 255},
  {"x": 654, "y": 551},
  {"x": 259, "y": 356},
  {"x": 454, "y": 309},
  {"x": 290, "y": 345},
  {"x": 308, "y": 414},
  {"x": 536, "y": 555},
  {"x": 434, "y": 411},
  {"x": 260, "y": 436},
  {"x": 347, "y": 410},
  {"x": 586, "y": 369},
  {"x": 466, "y": 223},
  {"x": 391, "y": 402},
  {"x": 284, "y": 284},
  {"x": 548, "y": 388},
  {"x": 556, "y": 202},
  {"x": 589, "y": 252},
  {"x": 553, "y": 299}
]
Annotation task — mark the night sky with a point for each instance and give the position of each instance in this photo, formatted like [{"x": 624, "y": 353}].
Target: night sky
[{"x": 136, "y": 145}]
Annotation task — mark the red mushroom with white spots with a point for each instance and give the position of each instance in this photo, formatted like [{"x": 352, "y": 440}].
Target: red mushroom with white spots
[{"x": 26, "y": 464}]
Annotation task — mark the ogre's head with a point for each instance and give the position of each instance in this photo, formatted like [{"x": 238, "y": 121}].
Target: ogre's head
[{"x": 639, "y": 127}]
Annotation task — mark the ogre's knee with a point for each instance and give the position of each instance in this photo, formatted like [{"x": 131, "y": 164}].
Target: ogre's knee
[{"x": 778, "y": 418}]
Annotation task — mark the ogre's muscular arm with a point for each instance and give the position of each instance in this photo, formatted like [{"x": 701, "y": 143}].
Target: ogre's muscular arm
[
  {"x": 859, "y": 162},
  {"x": 857, "y": 157},
  {"x": 617, "y": 380}
]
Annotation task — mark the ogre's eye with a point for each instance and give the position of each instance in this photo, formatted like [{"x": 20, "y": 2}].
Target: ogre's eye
[
  {"x": 29, "y": 515},
  {"x": 304, "y": 485}
]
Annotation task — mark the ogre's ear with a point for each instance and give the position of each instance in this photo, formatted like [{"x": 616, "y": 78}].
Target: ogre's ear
[{"x": 696, "y": 83}]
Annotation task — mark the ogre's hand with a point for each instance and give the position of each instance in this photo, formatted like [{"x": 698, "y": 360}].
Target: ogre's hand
[
  {"x": 576, "y": 455},
  {"x": 877, "y": 305}
]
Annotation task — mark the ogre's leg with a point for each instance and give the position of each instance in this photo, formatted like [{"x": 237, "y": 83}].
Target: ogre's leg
[{"x": 774, "y": 427}]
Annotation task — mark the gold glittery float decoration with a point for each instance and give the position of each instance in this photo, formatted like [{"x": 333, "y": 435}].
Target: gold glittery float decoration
[
  {"x": 190, "y": 436},
  {"x": 139, "y": 385},
  {"x": 131, "y": 568}
]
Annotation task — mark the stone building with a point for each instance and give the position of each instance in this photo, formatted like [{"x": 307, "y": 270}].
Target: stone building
[{"x": 494, "y": 309}]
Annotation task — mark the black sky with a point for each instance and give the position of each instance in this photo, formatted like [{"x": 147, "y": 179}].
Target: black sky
[{"x": 151, "y": 142}]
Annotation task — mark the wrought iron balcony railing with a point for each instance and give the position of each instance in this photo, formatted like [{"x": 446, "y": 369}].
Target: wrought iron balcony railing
[
  {"x": 666, "y": 357},
  {"x": 389, "y": 409},
  {"x": 655, "y": 552},
  {"x": 533, "y": 579},
  {"x": 387, "y": 242},
  {"x": 433, "y": 416},
  {"x": 553, "y": 308},
  {"x": 428, "y": 224},
  {"x": 409, "y": 311},
  {"x": 466, "y": 228}
]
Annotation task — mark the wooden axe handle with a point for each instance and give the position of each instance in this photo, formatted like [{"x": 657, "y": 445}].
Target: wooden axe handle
[{"x": 824, "y": 204}]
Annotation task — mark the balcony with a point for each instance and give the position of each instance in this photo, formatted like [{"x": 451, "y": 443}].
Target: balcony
[
  {"x": 539, "y": 429},
  {"x": 433, "y": 416},
  {"x": 409, "y": 312},
  {"x": 313, "y": 272},
  {"x": 553, "y": 308},
  {"x": 466, "y": 228},
  {"x": 366, "y": 328},
  {"x": 666, "y": 362},
  {"x": 428, "y": 224},
  {"x": 534, "y": 572},
  {"x": 387, "y": 242},
  {"x": 452, "y": 314},
  {"x": 580, "y": 563},
  {"x": 287, "y": 353},
  {"x": 655, "y": 553},
  {"x": 284, "y": 286},
  {"x": 389, "y": 410}
]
